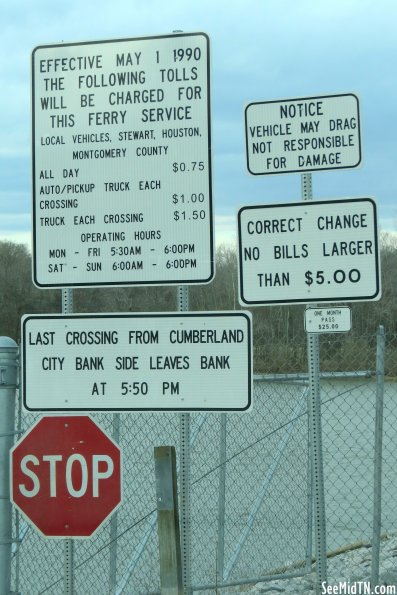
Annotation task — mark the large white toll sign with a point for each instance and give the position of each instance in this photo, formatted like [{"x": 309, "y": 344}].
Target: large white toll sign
[
  {"x": 125, "y": 362},
  {"x": 121, "y": 162},
  {"x": 301, "y": 135},
  {"x": 317, "y": 251}
]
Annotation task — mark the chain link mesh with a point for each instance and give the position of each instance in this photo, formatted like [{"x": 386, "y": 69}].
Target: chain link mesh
[{"x": 249, "y": 479}]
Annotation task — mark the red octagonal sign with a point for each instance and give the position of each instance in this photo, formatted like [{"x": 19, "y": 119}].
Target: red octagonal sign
[{"x": 66, "y": 476}]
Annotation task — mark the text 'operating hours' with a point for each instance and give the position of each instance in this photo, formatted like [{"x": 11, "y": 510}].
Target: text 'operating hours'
[
  {"x": 307, "y": 252},
  {"x": 121, "y": 143},
  {"x": 138, "y": 362}
]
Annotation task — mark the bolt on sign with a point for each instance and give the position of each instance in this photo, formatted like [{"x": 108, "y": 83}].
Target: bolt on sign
[
  {"x": 122, "y": 162},
  {"x": 148, "y": 362},
  {"x": 315, "y": 251},
  {"x": 303, "y": 135},
  {"x": 66, "y": 476}
]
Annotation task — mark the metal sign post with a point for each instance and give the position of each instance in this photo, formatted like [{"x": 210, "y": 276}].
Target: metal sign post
[
  {"x": 122, "y": 167},
  {"x": 313, "y": 353},
  {"x": 299, "y": 253},
  {"x": 68, "y": 547}
]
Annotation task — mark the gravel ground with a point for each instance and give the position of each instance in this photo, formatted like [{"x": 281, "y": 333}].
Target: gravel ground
[{"x": 348, "y": 573}]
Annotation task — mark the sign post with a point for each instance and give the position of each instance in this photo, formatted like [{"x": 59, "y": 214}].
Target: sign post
[
  {"x": 68, "y": 546},
  {"x": 315, "y": 429},
  {"x": 122, "y": 189},
  {"x": 122, "y": 168},
  {"x": 300, "y": 136}
]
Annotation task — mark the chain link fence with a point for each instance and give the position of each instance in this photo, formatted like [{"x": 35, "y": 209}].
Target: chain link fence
[
  {"x": 360, "y": 479},
  {"x": 249, "y": 478}
]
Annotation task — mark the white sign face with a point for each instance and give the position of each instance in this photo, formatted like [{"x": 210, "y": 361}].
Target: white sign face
[
  {"x": 317, "y": 251},
  {"x": 121, "y": 162},
  {"x": 306, "y": 134},
  {"x": 328, "y": 320},
  {"x": 126, "y": 362}
]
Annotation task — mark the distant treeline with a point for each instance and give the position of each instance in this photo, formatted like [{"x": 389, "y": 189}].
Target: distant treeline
[{"x": 279, "y": 336}]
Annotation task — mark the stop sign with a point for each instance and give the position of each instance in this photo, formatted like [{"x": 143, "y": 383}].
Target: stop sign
[{"x": 66, "y": 476}]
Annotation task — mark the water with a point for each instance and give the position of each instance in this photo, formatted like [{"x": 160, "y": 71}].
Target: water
[
  {"x": 266, "y": 488},
  {"x": 348, "y": 423}
]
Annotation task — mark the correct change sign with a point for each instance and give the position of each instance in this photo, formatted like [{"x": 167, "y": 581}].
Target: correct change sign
[
  {"x": 317, "y": 251},
  {"x": 127, "y": 362},
  {"x": 305, "y": 134},
  {"x": 121, "y": 162}
]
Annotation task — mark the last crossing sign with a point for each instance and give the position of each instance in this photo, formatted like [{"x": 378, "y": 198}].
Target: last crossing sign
[
  {"x": 143, "y": 362},
  {"x": 317, "y": 251}
]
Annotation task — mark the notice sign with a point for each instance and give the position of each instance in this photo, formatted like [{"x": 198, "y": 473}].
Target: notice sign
[
  {"x": 328, "y": 320},
  {"x": 127, "y": 362},
  {"x": 317, "y": 251},
  {"x": 300, "y": 135},
  {"x": 121, "y": 162}
]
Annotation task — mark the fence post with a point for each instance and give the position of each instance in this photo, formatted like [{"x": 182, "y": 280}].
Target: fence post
[
  {"x": 220, "y": 553},
  {"x": 377, "y": 514},
  {"x": 184, "y": 488},
  {"x": 168, "y": 521},
  {"x": 317, "y": 459},
  {"x": 310, "y": 497},
  {"x": 8, "y": 384}
]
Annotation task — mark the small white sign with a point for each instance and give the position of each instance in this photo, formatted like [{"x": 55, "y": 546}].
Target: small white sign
[
  {"x": 129, "y": 362},
  {"x": 305, "y": 134},
  {"x": 315, "y": 251},
  {"x": 328, "y": 320},
  {"x": 122, "y": 189}
]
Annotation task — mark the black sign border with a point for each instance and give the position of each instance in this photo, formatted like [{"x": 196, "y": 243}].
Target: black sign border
[
  {"x": 305, "y": 170},
  {"x": 67, "y": 317},
  {"x": 305, "y": 204},
  {"x": 211, "y": 208}
]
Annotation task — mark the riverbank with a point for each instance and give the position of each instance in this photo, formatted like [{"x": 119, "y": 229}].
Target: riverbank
[
  {"x": 345, "y": 572},
  {"x": 348, "y": 573}
]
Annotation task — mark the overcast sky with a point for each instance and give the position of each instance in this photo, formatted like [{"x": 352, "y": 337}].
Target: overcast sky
[{"x": 260, "y": 50}]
